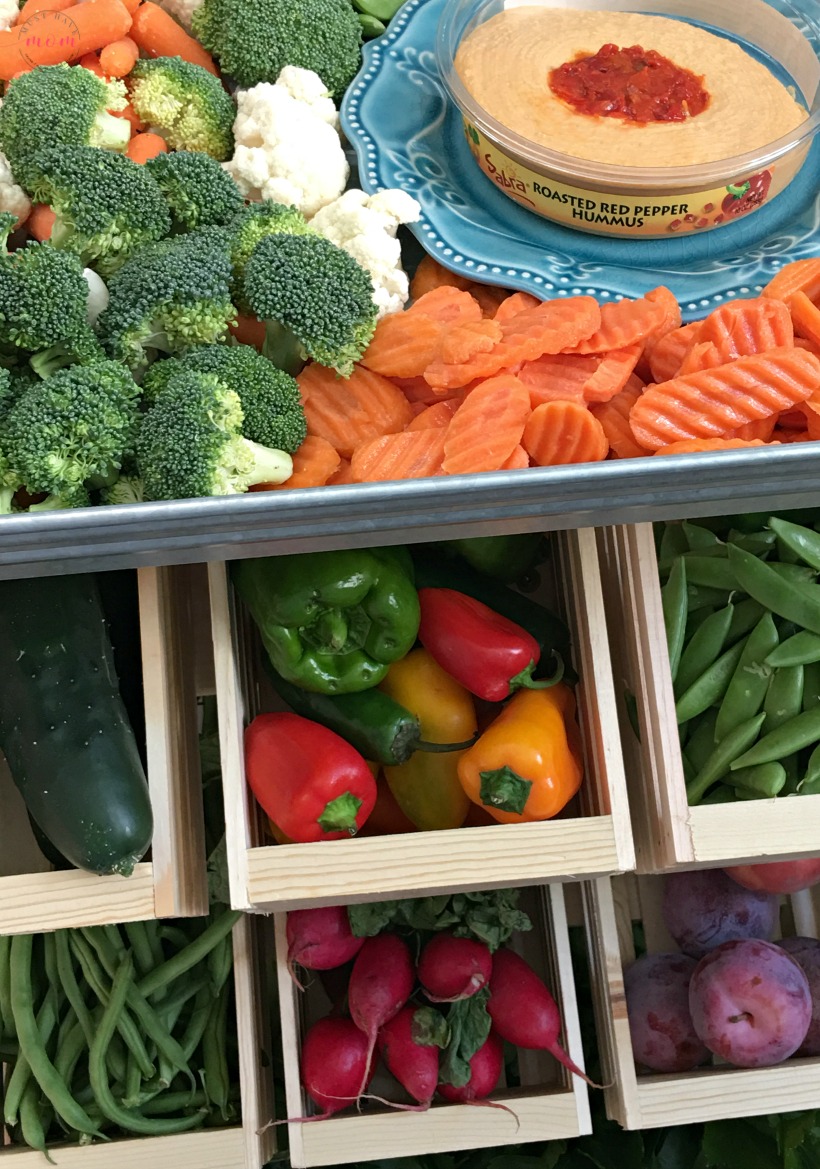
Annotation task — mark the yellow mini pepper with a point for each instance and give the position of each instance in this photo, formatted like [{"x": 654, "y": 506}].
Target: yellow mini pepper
[
  {"x": 528, "y": 763},
  {"x": 427, "y": 787}
]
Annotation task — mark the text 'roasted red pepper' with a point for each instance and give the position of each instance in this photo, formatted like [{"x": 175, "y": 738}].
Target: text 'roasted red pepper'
[
  {"x": 309, "y": 781},
  {"x": 487, "y": 653}
]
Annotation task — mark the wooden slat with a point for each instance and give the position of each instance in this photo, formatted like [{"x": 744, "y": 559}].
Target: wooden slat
[
  {"x": 214, "y": 1149},
  {"x": 174, "y": 774},
  {"x": 550, "y": 1105},
  {"x": 36, "y": 902},
  {"x": 255, "y": 1033},
  {"x": 759, "y": 830}
]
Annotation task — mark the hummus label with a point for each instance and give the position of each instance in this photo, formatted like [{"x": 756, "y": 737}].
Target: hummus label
[{"x": 617, "y": 214}]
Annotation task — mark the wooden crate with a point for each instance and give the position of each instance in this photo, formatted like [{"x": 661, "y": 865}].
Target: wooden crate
[
  {"x": 172, "y": 882},
  {"x": 247, "y": 1145},
  {"x": 668, "y": 833},
  {"x": 550, "y": 1103},
  {"x": 592, "y": 836},
  {"x": 707, "y": 1093}
]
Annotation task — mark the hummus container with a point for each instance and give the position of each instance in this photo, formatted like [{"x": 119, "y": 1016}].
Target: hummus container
[{"x": 644, "y": 201}]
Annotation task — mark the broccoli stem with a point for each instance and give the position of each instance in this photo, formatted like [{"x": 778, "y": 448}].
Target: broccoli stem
[
  {"x": 50, "y": 503},
  {"x": 270, "y": 466},
  {"x": 283, "y": 348},
  {"x": 110, "y": 132},
  {"x": 6, "y": 496}
]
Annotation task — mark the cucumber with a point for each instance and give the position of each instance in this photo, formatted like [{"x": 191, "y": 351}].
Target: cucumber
[{"x": 63, "y": 727}]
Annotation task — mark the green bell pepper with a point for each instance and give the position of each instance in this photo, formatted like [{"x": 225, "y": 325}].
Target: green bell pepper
[
  {"x": 505, "y": 558},
  {"x": 332, "y": 622}
]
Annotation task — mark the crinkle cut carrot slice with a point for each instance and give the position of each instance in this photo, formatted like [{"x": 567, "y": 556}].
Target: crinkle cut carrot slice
[
  {"x": 460, "y": 343},
  {"x": 714, "y": 403},
  {"x": 349, "y": 411},
  {"x": 760, "y": 429},
  {"x": 742, "y": 327},
  {"x": 613, "y": 372},
  {"x": 614, "y": 418},
  {"x": 701, "y": 355},
  {"x": 693, "y": 446},
  {"x": 414, "y": 454},
  {"x": 439, "y": 414},
  {"x": 558, "y": 433},
  {"x": 623, "y": 322},
  {"x": 664, "y": 297},
  {"x": 403, "y": 345},
  {"x": 487, "y": 427},
  {"x": 666, "y": 356},
  {"x": 430, "y": 275},
  {"x": 798, "y": 276},
  {"x": 558, "y": 377},
  {"x": 315, "y": 462},
  {"x": 806, "y": 318},
  {"x": 447, "y": 305}
]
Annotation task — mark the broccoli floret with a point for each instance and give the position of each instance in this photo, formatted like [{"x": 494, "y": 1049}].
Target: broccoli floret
[
  {"x": 190, "y": 444},
  {"x": 69, "y": 434},
  {"x": 190, "y": 106},
  {"x": 106, "y": 205},
  {"x": 271, "y": 403},
  {"x": 315, "y": 299},
  {"x": 44, "y": 308},
  {"x": 198, "y": 191},
  {"x": 170, "y": 296},
  {"x": 253, "y": 223},
  {"x": 254, "y": 39},
  {"x": 60, "y": 105}
]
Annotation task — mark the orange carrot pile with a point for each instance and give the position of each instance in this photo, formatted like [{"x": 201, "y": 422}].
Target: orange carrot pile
[{"x": 473, "y": 378}]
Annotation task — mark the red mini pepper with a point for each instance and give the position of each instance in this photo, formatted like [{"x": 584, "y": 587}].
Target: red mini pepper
[
  {"x": 309, "y": 781},
  {"x": 487, "y": 653}
]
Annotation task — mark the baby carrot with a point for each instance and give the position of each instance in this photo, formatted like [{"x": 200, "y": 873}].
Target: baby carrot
[
  {"x": 119, "y": 58},
  {"x": 145, "y": 146},
  {"x": 41, "y": 221},
  {"x": 32, "y": 7},
  {"x": 92, "y": 25},
  {"x": 159, "y": 35}
]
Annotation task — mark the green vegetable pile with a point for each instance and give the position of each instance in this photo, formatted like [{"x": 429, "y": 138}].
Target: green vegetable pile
[
  {"x": 118, "y": 1030},
  {"x": 742, "y": 613}
]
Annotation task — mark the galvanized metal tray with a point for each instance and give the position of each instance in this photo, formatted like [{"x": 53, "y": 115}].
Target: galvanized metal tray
[{"x": 310, "y": 519}]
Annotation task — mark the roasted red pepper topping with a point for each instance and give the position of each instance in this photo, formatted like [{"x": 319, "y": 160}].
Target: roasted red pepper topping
[
  {"x": 634, "y": 84},
  {"x": 488, "y": 654}
]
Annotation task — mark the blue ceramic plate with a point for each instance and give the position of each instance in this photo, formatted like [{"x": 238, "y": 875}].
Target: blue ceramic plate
[{"x": 407, "y": 134}]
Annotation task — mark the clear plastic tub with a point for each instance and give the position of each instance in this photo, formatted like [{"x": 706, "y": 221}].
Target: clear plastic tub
[{"x": 647, "y": 202}]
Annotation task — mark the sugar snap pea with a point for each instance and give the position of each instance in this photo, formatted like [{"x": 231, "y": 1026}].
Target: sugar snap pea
[
  {"x": 798, "y": 573},
  {"x": 712, "y": 572},
  {"x": 31, "y": 1044},
  {"x": 672, "y": 543},
  {"x": 748, "y": 685},
  {"x": 795, "y": 601},
  {"x": 720, "y": 794},
  {"x": 758, "y": 543},
  {"x": 801, "y": 731},
  {"x": 698, "y": 537},
  {"x": 802, "y": 541},
  {"x": 733, "y": 745},
  {"x": 675, "y": 608},
  {"x": 746, "y": 615},
  {"x": 703, "y": 597},
  {"x": 701, "y": 742},
  {"x": 766, "y": 779},
  {"x": 784, "y": 698},
  {"x": 798, "y": 650},
  {"x": 703, "y": 648},
  {"x": 811, "y": 685},
  {"x": 710, "y": 687},
  {"x": 810, "y": 783}
]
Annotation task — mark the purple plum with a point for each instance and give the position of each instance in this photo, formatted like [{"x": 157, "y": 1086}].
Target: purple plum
[
  {"x": 806, "y": 952},
  {"x": 704, "y": 908},
  {"x": 750, "y": 1003},
  {"x": 657, "y": 1002}
]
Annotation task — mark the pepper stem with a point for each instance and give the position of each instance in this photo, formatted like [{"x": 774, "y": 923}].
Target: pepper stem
[
  {"x": 443, "y": 748},
  {"x": 738, "y": 190},
  {"x": 340, "y": 814},
  {"x": 504, "y": 789},
  {"x": 526, "y": 680}
]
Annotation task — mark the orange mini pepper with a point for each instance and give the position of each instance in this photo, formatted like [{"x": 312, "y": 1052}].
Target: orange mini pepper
[{"x": 528, "y": 763}]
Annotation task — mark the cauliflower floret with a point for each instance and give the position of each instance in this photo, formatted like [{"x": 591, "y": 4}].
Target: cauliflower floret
[
  {"x": 9, "y": 11},
  {"x": 181, "y": 10},
  {"x": 287, "y": 143},
  {"x": 365, "y": 226},
  {"x": 13, "y": 198}
]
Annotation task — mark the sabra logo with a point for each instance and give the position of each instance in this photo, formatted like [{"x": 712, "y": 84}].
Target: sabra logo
[{"x": 48, "y": 30}]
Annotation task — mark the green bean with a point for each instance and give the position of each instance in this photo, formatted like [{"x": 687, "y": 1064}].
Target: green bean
[
  {"x": 152, "y": 933},
  {"x": 801, "y": 731},
  {"x": 220, "y": 964},
  {"x": 5, "y": 998},
  {"x": 31, "y": 1124},
  {"x": 710, "y": 572},
  {"x": 68, "y": 980},
  {"x": 174, "y": 935},
  {"x": 170, "y": 1102},
  {"x": 746, "y": 615},
  {"x": 31, "y": 1044},
  {"x": 794, "y": 601},
  {"x": 140, "y": 945},
  {"x": 710, "y": 687},
  {"x": 747, "y": 689},
  {"x": 127, "y": 1119},
  {"x": 803, "y": 542},
  {"x": 215, "y": 1063},
  {"x": 726, "y": 751},
  {"x": 20, "y": 1077},
  {"x": 169, "y": 1008},
  {"x": 68, "y": 1056},
  {"x": 703, "y": 648},
  {"x": 193, "y": 953},
  {"x": 674, "y": 602},
  {"x": 133, "y": 1083},
  {"x": 767, "y": 779},
  {"x": 197, "y": 1022},
  {"x": 811, "y": 686},
  {"x": 799, "y": 650},
  {"x": 9, "y": 1051},
  {"x": 127, "y": 1028}
]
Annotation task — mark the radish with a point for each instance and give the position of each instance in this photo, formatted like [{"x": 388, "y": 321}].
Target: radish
[
  {"x": 453, "y": 968},
  {"x": 381, "y": 982},
  {"x": 523, "y": 1011},
  {"x": 485, "y": 1072},
  {"x": 336, "y": 1064},
  {"x": 320, "y": 939},
  {"x": 414, "y": 1064}
]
